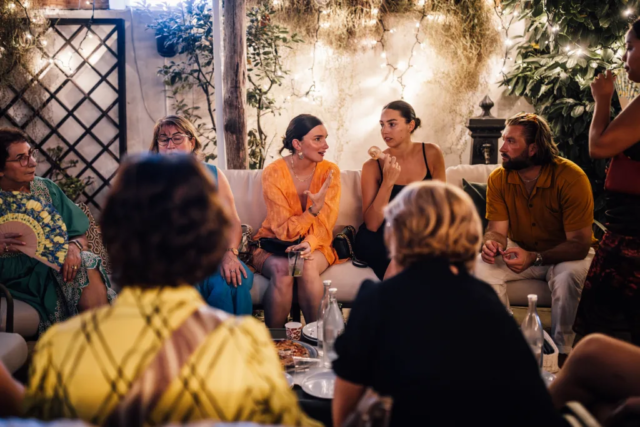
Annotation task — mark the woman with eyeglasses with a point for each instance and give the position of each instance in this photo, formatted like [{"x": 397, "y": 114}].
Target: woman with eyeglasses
[
  {"x": 230, "y": 288},
  {"x": 82, "y": 283}
]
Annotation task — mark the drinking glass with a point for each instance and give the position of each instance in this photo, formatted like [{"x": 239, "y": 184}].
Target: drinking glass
[{"x": 296, "y": 263}]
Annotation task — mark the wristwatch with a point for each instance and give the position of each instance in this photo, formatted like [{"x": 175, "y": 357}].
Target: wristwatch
[
  {"x": 538, "y": 261},
  {"x": 233, "y": 250}
]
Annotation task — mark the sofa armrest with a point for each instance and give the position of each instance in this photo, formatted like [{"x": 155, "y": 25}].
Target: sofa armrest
[{"x": 9, "y": 299}]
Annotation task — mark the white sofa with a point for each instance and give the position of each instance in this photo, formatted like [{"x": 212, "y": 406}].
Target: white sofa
[{"x": 247, "y": 189}]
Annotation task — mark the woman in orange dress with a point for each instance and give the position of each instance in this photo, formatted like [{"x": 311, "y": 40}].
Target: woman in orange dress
[{"x": 302, "y": 194}]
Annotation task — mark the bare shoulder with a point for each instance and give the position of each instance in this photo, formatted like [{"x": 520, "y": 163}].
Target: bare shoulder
[
  {"x": 432, "y": 149},
  {"x": 370, "y": 168}
]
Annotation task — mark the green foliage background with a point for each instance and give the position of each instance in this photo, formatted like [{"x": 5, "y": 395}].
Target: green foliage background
[{"x": 566, "y": 44}]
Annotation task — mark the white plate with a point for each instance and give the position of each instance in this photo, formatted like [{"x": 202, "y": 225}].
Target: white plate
[
  {"x": 310, "y": 331},
  {"x": 289, "y": 379},
  {"x": 320, "y": 385}
]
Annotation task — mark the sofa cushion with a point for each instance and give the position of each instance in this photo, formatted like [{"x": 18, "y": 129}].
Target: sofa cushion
[
  {"x": 25, "y": 318},
  {"x": 246, "y": 186},
  {"x": 478, "y": 193},
  {"x": 472, "y": 173},
  {"x": 346, "y": 277},
  {"x": 13, "y": 351}
]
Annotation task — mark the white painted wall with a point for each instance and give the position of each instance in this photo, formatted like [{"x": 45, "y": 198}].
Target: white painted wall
[{"x": 353, "y": 91}]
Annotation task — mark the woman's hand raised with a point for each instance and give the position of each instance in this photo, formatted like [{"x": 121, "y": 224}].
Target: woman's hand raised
[
  {"x": 390, "y": 170},
  {"x": 602, "y": 87},
  {"x": 317, "y": 199}
]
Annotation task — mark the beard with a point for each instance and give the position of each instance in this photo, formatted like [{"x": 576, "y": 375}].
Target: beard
[{"x": 518, "y": 163}]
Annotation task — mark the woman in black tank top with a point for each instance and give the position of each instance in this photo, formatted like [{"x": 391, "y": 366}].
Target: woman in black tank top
[{"x": 381, "y": 179}]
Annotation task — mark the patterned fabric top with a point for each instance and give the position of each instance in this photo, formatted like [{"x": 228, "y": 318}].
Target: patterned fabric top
[
  {"x": 83, "y": 367},
  {"x": 39, "y": 189}
]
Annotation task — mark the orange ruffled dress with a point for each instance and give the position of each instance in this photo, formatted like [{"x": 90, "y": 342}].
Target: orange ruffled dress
[{"x": 285, "y": 218}]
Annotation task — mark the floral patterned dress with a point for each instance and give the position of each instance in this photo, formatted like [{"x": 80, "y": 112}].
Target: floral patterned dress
[{"x": 41, "y": 287}]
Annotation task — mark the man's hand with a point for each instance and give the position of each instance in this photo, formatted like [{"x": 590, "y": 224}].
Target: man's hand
[
  {"x": 490, "y": 250},
  {"x": 518, "y": 260}
]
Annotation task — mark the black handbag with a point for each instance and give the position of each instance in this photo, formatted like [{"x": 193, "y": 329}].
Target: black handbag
[
  {"x": 277, "y": 246},
  {"x": 344, "y": 242}
]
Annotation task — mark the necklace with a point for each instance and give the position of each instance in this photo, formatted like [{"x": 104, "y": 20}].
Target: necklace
[
  {"x": 297, "y": 177},
  {"x": 529, "y": 180}
]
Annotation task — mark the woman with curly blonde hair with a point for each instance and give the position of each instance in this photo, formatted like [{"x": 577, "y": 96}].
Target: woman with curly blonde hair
[{"x": 430, "y": 335}]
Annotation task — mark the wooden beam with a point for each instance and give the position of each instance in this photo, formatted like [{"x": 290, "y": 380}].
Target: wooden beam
[
  {"x": 217, "y": 61},
  {"x": 235, "y": 77}
]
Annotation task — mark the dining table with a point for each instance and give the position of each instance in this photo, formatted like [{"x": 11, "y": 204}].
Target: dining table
[{"x": 316, "y": 408}]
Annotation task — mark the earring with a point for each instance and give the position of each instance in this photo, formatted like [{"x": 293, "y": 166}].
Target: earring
[{"x": 300, "y": 155}]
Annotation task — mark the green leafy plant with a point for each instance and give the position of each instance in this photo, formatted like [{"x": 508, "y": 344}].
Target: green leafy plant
[
  {"x": 187, "y": 29},
  {"x": 265, "y": 42},
  {"x": 567, "y": 44},
  {"x": 72, "y": 186}
]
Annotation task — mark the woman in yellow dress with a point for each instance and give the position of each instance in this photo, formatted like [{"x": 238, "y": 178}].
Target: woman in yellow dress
[{"x": 159, "y": 354}]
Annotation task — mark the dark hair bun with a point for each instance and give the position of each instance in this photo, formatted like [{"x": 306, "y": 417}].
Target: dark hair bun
[
  {"x": 406, "y": 111},
  {"x": 297, "y": 129}
]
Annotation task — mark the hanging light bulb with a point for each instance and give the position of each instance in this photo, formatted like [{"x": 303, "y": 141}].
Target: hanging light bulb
[
  {"x": 420, "y": 3},
  {"x": 508, "y": 42},
  {"x": 28, "y": 36},
  {"x": 11, "y": 6},
  {"x": 383, "y": 55},
  {"x": 628, "y": 12},
  {"x": 25, "y": 4},
  {"x": 375, "y": 11}
]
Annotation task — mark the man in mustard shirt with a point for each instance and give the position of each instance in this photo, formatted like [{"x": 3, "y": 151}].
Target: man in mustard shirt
[{"x": 540, "y": 212}]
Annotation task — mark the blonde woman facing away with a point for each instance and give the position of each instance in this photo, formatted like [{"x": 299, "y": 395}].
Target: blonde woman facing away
[{"x": 434, "y": 338}]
